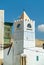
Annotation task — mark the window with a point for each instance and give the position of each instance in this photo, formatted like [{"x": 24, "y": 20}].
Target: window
[
  {"x": 43, "y": 45},
  {"x": 29, "y": 25},
  {"x": 18, "y": 26},
  {"x": 37, "y": 58}
]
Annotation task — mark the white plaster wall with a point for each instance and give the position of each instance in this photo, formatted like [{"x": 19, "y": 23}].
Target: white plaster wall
[
  {"x": 18, "y": 47},
  {"x": 8, "y": 59},
  {"x": 18, "y": 35},
  {"x": 31, "y": 55},
  {"x": 41, "y": 58},
  {"x": 29, "y": 34},
  {"x": 17, "y": 60},
  {"x": 29, "y": 44}
]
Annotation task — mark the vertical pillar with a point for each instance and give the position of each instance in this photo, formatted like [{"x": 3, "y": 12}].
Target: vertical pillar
[
  {"x": 23, "y": 60},
  {"x": 1, "y": 33}
]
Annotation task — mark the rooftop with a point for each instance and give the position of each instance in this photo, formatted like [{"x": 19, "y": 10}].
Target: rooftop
[{"x": 8, "y": 23}]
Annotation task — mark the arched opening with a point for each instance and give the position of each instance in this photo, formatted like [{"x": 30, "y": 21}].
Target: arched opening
[
  {"x": 29, "y": 25},
  {"x": 18, "y": 25},
  {"x": 43, "y": 45}
]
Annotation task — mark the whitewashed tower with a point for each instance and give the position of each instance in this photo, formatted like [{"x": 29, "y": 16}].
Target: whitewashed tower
[
  {"x": 29, "y": 31},
  {"x": 24, "y": 36}
]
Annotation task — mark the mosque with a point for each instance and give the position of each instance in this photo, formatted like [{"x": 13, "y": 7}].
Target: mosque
[{"x": 25, "y": 50}]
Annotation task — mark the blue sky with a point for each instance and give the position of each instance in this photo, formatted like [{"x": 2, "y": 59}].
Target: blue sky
[{"x": 34, "y": 9}]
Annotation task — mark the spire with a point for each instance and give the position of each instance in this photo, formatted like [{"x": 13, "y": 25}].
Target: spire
[{"x": 24, "y": 16}]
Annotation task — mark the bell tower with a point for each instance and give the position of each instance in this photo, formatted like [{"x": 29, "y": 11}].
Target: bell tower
[
  {"x": 29, "y": 31},
  {"x": 24, "y": 36},
  {"x": 24, "y": 33}
]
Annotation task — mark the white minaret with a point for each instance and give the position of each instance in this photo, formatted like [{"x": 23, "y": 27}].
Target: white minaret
[
  {"x": 24, "y": 36},
  {"x": 29, "y": 31}
]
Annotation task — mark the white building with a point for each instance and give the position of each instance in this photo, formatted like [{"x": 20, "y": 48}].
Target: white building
[
  {"x": 1, "y": 32},
  {"x": 25, "y": 52}
]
